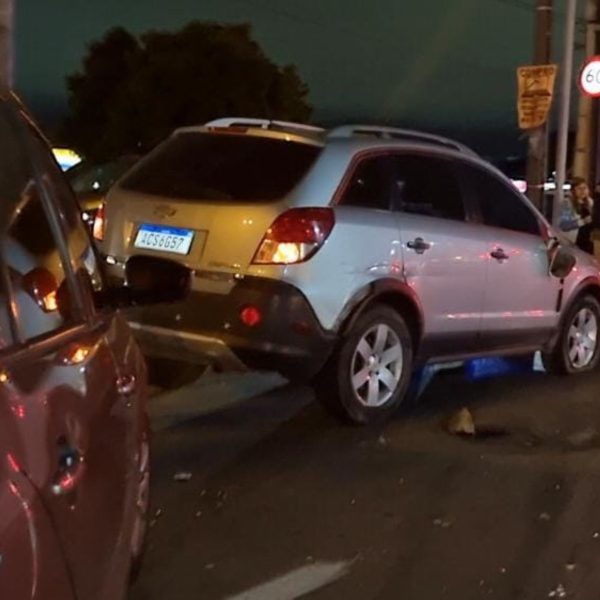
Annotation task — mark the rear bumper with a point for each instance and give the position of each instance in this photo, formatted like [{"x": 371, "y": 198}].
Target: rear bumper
[
  {"x": 185, "y": 346},
  {"x": 207, "y": 328}
]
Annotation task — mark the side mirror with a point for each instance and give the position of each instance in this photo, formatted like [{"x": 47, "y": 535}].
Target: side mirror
[
  {"x": 561, "y": 261},
  {"x": 150, "y": 280},
  {"x": 43, "y": 288}
]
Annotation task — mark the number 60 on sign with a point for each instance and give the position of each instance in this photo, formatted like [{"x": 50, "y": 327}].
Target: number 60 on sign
[{"x": 589, "y": 79}]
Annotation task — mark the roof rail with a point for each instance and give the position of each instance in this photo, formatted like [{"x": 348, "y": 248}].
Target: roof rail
[
  {"x": 393, "y": 133},
  {"x": 268, "y": 124}
]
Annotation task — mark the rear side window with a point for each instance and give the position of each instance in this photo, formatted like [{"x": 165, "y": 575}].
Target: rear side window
[
  {"x": 222, "y": 167},
  {"x": 369, "y": 186},
  {"x": 500, "y": 205},
  {"x": 427, "y": 185}
]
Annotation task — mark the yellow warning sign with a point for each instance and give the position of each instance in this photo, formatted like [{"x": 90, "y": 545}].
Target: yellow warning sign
[{"x": 536, "y": 90}]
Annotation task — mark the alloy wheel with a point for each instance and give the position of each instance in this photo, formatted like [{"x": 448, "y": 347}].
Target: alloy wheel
[
  {"x": 376, "y": 367},
  {"x": 583, "y": 338}
]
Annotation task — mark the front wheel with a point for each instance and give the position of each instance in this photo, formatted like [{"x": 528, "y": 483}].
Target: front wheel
[
  {"x": 367, "y": 378},
  {"x": 576, "y": 350}
]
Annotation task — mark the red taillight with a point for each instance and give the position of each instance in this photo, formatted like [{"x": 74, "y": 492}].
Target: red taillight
[
  {"x": 295, "y": 236},
  {"x": 99, "y": 223},
  {"x": 250, "y": 316}
]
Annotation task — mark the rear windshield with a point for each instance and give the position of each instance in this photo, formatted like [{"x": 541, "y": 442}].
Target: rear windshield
[{"x": 222, "y": 167}]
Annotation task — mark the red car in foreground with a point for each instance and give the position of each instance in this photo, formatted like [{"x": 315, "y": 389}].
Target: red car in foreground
[{"x": 74, "y": 468}]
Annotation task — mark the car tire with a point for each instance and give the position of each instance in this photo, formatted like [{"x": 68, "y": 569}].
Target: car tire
[
  {"x": 368, "y": 376},
  {"x": 577, "y": 348}
]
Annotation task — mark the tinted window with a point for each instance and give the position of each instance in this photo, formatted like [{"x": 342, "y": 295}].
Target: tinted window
[
  {"x": 425, "y": 185},
  {"x": 222, "y": 167},
  {"x": 35, "y": 267},
  {"x": 369, "y": 185},
  {"x": 500, "y": 205}
]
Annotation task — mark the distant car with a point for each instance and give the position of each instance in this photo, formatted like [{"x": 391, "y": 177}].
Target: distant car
[
  {"x": 91, "y": 182},
  {"x": 349, "y": 258},
  {"x": 74, "y": 435}
]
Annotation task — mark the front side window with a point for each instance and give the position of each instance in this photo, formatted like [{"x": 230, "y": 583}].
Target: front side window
[
  {"x": 36, "y": 271},
  {"x": 428, "y": 186},
  {"x": 500, "y": 205}
]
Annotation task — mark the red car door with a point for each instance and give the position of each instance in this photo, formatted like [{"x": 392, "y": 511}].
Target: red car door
[
  {"x": 83, "y": 420},
  {"x": 32, "y": 565}
]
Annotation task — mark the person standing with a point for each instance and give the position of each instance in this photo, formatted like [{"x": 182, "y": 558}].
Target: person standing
[{"x": 577, "y": 215}]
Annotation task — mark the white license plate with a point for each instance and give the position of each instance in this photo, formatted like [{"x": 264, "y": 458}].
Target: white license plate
[{"x": 164, "y": 239}]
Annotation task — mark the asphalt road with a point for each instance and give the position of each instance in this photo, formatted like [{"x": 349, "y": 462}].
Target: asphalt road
[{"x": 284, "y": 502}]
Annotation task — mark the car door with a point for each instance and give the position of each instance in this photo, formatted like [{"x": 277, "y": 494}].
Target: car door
[
  {"x": 368, "y": 242},
  {"x": 443, "y": 251},
  {"x": 82, "y": 430},
  {"x": 32, "y": 566},
  {"x": 521, "y": 297}
]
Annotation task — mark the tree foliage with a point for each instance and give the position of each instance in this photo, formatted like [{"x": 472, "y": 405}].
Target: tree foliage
[{"x": 133, "y": 91}]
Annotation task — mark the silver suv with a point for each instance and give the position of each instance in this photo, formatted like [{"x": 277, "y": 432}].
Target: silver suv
[{"x": 348, "y": 258}]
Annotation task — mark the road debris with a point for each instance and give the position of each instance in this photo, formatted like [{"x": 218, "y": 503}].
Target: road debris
[
  {"x": 182, "y": 476},
  {"x": 544, "y": 516},
  {"x": 382, "y": 440},
  {"x": 461, "y": 423},
  {"x": 209, "y": 566},
  {"x": 559, "y": 592},
  {"x": 443, "y": 523},
  {"x": 570, "y": 567},
  {"x": 582, "y": 439},
  {"x": 157, "y": 515}
]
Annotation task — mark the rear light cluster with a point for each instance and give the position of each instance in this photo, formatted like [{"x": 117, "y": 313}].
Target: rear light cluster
[
  {"x": 99, "y": 227},
  {"x": 295, "y": 236}
]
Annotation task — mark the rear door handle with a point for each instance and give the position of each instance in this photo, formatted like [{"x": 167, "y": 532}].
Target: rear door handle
[
  {"x": 419, "y": 245},
  {"x": 499, "y": 254}
]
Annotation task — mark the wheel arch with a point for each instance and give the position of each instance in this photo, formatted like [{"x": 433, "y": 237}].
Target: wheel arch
[
  {"x": 389, "y": 292},
  {"x": 589, "y": 286}
]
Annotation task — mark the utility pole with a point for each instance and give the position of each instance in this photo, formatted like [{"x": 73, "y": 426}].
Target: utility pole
[
  {"x": 584, "y": 161},
  {"x": 538, "y": 138},
  {"x": 6, "y": 42},
  {"x": 564, "y": 119}
]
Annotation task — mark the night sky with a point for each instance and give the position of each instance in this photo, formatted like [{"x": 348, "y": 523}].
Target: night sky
[{"x": 440, "y": 64}]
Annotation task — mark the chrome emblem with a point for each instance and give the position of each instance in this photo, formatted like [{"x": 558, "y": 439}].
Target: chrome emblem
[{"x": 163, "y": 211}]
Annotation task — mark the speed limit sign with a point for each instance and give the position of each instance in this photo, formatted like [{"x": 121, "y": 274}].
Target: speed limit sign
[{"x": 589, "y": 80}]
